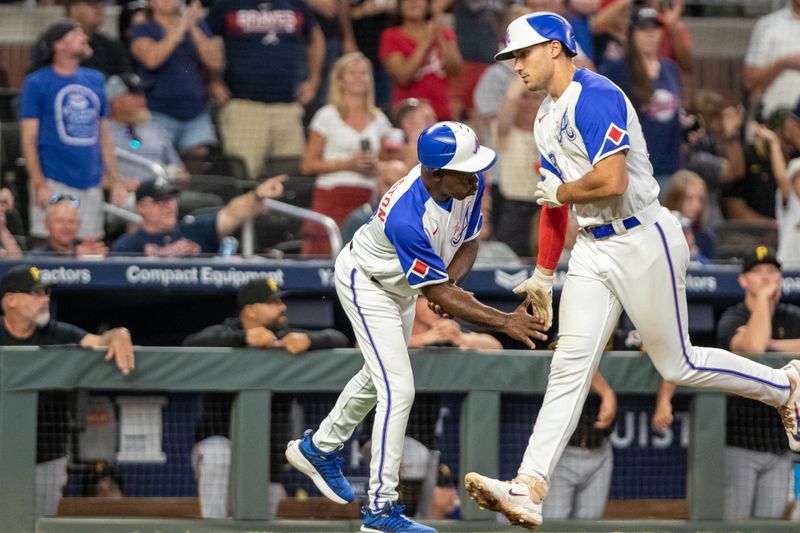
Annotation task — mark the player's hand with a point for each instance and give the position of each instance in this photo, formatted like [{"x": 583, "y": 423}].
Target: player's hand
[
  {"x": 608, "y": 410},
  {"x": 295, "y": 343},
  {"x": 260, "y": 337},
  {"x": 539, "y": 288},
  {"x": 120, "y": 349},
  {"x": 547, "y": 189},
  {"x": 662, "y": 417},
  {"x": 523, "y": 326}
]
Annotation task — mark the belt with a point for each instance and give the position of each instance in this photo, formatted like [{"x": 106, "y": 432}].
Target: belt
[{"x": 606, "y": 230}]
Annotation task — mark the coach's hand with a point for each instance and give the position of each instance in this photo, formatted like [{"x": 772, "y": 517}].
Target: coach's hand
[
  {"x": 523, "y": 326},
  {"x": 539, "y": 288},
  {"x": 547, "y": 189}
]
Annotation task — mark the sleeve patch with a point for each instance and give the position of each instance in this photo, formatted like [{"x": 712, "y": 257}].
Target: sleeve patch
[
  {"x": 420, "y": 268},
  {"x": 615, "y": 134}
]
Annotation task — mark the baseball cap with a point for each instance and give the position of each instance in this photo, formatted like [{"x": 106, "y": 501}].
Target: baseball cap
[
  {"x": 644, "y": 17},
  {"x": 21, "y": 278},
  {"x": 537, "y": 28},
  {"x": 157, "y": 189},
  {"x": 258, "y": 291},
  {"x": 453, "y": 146},
  {"x": 120, "y": 84},
  {"x": 43, "y": 49},
  {"x": 759, "y": 256},
  {"x": 73, "y": 2},
  {"x": 795, "y": 114}
]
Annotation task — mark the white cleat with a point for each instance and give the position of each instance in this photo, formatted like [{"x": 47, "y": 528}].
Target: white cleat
[
  {"x": 519, "y": 500},
  {"x": 790, "y": 411}
]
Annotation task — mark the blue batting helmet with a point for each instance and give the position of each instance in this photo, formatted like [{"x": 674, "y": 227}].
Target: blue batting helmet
[
  {"x": 536, "y": 28},
  {"x": 453, "y": 146}
]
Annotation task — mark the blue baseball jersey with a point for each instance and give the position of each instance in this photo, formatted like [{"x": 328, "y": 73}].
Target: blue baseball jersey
[
  {"x": 592, "y": 120},
  {"x": 411, "y": 238}
]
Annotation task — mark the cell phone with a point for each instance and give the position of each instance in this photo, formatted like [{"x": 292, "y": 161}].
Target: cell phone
[{"x": 365, "y": 145}]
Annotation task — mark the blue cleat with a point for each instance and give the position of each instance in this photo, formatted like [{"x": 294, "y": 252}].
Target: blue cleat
[
  {"x": 391, "y": 519},
  {"x": 324, "y": 469}
]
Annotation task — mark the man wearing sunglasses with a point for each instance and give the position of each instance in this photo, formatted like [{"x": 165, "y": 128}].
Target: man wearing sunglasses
[{"x": 27, "y": 322}]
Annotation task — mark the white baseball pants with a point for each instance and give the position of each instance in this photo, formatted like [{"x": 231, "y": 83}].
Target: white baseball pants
[
  {"x": 382, "y": 323},
  {"x": 643, "y": 272}
]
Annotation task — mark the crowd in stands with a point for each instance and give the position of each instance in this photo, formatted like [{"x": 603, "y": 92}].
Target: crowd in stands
[
  {"x": 339, "y": 91},
  {"x": 192, "y": 116}
]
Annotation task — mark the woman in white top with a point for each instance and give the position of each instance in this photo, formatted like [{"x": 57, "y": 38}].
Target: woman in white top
[{"x": 343, "y": 148}]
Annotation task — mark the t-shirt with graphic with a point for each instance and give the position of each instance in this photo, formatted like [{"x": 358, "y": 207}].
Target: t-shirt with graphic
[
  {"x": 175, "y": 88},
  {"x": 266, "y": 46},
  {"x": 660, "y": 117},
  {"x": 429, "y": 80},
  {"x": 411, "y": 238},
  {"x": 191, "y": 236},
  {"x": 69, "y": 110},
  {"x": 592, "y": 120}
]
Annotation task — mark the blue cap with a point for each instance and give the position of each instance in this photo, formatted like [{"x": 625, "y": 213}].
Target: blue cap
[
  {"x": 453, "y": 146},
  {"x": 537, "y": 28}
]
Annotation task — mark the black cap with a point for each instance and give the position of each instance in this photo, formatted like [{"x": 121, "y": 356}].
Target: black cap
[
  {"x": 759, "y": 256},
  {"x": 43, "y": 50},
  {"x": 157, "y": 189},
  {"x": 125, "y": 83},
  {"x": 445, "y": 477},
  {"x": 21, "y": 278},
  {"x": 644, "y": 17},
  {"x": 257, "y": 291}
]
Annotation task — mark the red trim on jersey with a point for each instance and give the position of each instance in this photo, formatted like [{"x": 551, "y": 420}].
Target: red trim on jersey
[{"x": 552, "y": 235}]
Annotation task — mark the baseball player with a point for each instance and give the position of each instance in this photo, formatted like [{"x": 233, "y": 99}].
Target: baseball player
[
  {"x": 630, "y": 254},
  {"x": 422, "y": 238}
]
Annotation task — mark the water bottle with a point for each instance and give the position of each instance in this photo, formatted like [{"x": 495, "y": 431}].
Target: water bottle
[{"x": 228, "y": 246}]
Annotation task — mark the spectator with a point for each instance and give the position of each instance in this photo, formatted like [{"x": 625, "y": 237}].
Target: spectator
[
  {"x": 675, "y": 41},
  {"x": 582, "y": 478},
  {"x": 688, "y": 196},
  {"x": 757, "y": 461},
  {"x": 132, "y": 13},
  {"x": 430, "y": 329},
  {"x": 579, "y": 14},
  {"x": 788, "y": 215},
  {"x": 337, "y": 29},
  {"x": 420, "y": 54},
  {"x": 752, "y": 198},
  {"x": 445, "y": 503},
  {"x": 27, "y": 322},
  {"x": 517, "y": 149},
  {"x": 9, "y": 248},
  {"x": 343, "y": 148},
  {"x": 654, "y": 88},
  {"x": 478, "y": 30},
  {"x": 262, "y": 323},
  {"x": 109, "y": 56},
  {"x": 791, "y": 129},
  {"x": 610, "y": 27},
  {"x": 772, "y": 61},
  {"x": 369, "y": 19},
  {"x": 269, "y": 48},
  {"x": 62, "y": 222},
  {"x": 161, "y": 235},
  {"x": 171, "y": 51},
  {"x": 64, "y": 130},
  {"x": 411, "y": 116}
]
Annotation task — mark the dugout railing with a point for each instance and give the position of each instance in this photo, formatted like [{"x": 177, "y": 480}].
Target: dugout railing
[{"x": 481, "y": 377}]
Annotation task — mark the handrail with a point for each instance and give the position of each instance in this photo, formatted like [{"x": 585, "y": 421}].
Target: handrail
[
  {"x": 136, "y": 159},
  {"x": 122, "y": 213},
  {"x": 334, "y": 235}
]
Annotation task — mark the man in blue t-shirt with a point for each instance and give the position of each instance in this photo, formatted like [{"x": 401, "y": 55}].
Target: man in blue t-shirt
[
  {"x": 161, "y": 235},
  {"x": 64, "y": 130},
  {"x": 274, "y": 54}
]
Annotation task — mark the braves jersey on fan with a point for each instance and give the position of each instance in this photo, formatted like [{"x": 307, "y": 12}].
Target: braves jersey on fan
[
  {"x": 580, "y": 129},
  {"x": 411, "y": 238}
]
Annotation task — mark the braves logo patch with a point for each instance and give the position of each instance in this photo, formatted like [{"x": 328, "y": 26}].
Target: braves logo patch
[
  {"x": 565, "y": 128},
  {"x": 615, "y": 134},
  {"x": 420, "y": 268}
]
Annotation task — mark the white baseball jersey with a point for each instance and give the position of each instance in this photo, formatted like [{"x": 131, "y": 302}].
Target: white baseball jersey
[
  {"x": 580, "y": 129},
  {"x": 411, "y": 238}
]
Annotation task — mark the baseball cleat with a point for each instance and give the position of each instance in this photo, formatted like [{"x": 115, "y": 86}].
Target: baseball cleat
[
  {"x": 511, "y": 498},
  {"x": 390, "y": 519},
  {"x": 790, "y": 411},
  {"x": 324, "y": 469}
]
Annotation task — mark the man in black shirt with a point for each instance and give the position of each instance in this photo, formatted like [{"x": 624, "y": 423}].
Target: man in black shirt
[
  {"x": 27, "y": 322},
  {"x": 262, "y": 323},
  {"x": 108, "y": 54}
]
